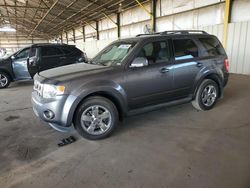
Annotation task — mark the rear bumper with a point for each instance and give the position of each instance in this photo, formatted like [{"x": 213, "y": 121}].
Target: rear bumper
[{"x": 56, "y": 111}]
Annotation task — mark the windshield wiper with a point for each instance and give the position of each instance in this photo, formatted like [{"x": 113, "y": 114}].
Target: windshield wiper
[
  {"x": 102, "y": 63},
  {"x": 96, "y": 63}
]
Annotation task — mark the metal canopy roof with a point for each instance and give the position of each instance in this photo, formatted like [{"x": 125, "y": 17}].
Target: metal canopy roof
[{"x": 48, "y": 18}]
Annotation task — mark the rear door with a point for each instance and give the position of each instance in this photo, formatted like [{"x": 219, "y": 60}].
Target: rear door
[
  {"x": 151, "y": 84},
  {"x": 51, "y": 57},
  {"x": 19, "y": 65},
  {"x": 187, "y": 64}
]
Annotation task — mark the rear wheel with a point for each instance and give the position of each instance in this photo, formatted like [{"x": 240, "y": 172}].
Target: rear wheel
[
  {"x": 4, "y": 80},
  {"x": 206, "y": 96},
  {"x": 96, "y": 118}
]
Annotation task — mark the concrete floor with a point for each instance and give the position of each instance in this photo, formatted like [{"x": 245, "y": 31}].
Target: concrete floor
[{"x": 174, "y": 147}]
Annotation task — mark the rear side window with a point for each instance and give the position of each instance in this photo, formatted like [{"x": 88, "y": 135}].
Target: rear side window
[
  {"x": 50, "y": 51},
  {"x": 66, "y": 50},
  {"x": 75, "y": 49},
  {"x": 185, "y": 49},
  {"x": 212, "y": 47},
  {"x": 71, "y": 49}
]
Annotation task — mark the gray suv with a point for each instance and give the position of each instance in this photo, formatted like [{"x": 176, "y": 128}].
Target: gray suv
[{"x": 131, "y": 76}]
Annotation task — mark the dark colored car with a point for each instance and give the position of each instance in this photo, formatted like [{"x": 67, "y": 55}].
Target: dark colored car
[
  {"x": 25, "y": 63},
  {"x": 131, "y": 76}
]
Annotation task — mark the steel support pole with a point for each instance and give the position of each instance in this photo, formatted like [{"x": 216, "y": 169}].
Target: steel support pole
[
  {"x": 227, "y": 15},
  {"x": 97, "y": 30},
  {"x": 118, "y": 25}
]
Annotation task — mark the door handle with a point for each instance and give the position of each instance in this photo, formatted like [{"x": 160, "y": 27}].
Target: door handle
[
  {"x": 164, "y": 70},
  {"x": 62, "y": 57},
  {"x": 199, "y": 64}
]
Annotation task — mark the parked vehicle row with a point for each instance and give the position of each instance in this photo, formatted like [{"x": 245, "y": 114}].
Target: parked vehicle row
[
  {"x": 131, "y": 76},
  {"x": 25, "y": 63}
]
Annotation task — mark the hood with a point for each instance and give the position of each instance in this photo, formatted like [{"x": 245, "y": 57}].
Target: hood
[
  {"x": 69, "y": 72},
  {"x": 5, "y": 61}
]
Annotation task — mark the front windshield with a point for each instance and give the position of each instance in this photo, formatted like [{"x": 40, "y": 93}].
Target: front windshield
[
  {"x": 12, "y": 54},
  {"x": 9, "y": 55},
  {"x": 113, "y": 54}
]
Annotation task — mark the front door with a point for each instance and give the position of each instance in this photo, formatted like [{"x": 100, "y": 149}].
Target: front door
[
  {"x": 33, "y": 61},
  {"x": 19, "y": 65},
  {"x": 153, "y": 82}
]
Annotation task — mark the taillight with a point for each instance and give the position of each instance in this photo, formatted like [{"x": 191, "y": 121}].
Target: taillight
[{"x": 226, "y": 63}]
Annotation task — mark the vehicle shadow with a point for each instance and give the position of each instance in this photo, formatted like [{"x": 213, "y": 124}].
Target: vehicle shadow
[
  {"x": 176, "y": 115},
  {"x": 236, "y": 89},
  {"x": 157, "y": 118},
  {"x": 18, "y": 84}
]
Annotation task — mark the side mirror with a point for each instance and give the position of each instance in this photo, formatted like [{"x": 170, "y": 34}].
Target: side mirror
[
  {"x": 139, "y": 62},
  {"x": 12, "y": 57}
]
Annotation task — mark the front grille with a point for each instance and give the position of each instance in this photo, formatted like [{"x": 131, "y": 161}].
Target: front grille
[{"x": 38, "y": 88}]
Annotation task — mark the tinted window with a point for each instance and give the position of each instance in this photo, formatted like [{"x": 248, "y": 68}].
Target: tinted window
[
  {"x": 50, "y": 51},
  {"x": 212, "y": 46},
  {"x": 71, "y": 49},
  {"x": 75, "y": 50},
  {"x": 32, "y": 52},
  {"x": 23, "y": 54},
  {"x": 66, "y": 50},
  {"x": 155, "y": 52},
  {"x": 185, "y": 49}
]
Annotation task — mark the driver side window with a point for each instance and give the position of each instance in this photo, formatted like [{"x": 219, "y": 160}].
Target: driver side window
[
  {"x": 155, "y": 52},
  {"x": 23, "y": 54}
]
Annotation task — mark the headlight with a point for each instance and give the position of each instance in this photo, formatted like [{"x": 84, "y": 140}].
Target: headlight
[{"x": 51, "y": 91}]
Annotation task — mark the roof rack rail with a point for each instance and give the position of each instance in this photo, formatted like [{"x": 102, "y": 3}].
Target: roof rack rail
[
  {"x": 148, "y": 34},
  {"x": 184, "y": 32}
]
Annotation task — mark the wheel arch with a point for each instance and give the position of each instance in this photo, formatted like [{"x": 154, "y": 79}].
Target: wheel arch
[
  {"x": 113, "y": 96},
  {"x": 212, "y": 76},
  {"x": 8, "y": 73}
]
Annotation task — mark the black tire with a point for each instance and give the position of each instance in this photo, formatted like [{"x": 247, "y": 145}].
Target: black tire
[
  {"x": 7, "y": 83},
  {"x": 96, "y": 101},
  {"x": 198, "y": 102}
]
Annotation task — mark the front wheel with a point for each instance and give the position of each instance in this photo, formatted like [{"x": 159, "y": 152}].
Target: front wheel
[
  {"x": 4, "y": 80},
  {"x": 96, "y": 118},
  {"x": 206, "y": 96}
]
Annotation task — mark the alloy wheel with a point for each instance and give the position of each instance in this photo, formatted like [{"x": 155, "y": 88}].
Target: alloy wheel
[
  {"x": 209, "y": 95},
  {"x": 96, "y": 120},
  {"x": 3, "y": 80}
]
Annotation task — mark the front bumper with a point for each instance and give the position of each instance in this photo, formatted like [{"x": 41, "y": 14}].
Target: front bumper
[{"x": 59, "y": 107}]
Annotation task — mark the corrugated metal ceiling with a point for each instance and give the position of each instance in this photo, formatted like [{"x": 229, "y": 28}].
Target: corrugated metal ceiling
[{"x": 47, "y": 18}]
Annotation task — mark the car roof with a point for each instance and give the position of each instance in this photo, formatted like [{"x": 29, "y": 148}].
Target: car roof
[{"x": 50, "y": 44}]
